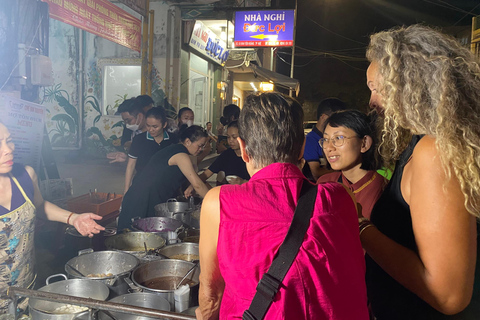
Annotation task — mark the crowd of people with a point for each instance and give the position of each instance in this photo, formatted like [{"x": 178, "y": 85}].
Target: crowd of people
[{"x": 373, "y": 247}]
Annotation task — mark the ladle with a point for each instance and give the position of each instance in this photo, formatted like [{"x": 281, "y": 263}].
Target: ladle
[
  {"x": 186, "y": 274},
  {"x": 76, "y": 270}
]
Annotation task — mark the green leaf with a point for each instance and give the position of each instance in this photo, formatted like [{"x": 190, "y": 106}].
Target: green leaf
[
  {"x": 118, "y": 124},
  {"x": 97, "y": 118},
  {"x": 62, "y": 117},
  {"x": 95, "y": 130},
  {"x": 95, "y": 105},
  {"x": 65, "y": 104},
  {"x": 57, "y": 137}
]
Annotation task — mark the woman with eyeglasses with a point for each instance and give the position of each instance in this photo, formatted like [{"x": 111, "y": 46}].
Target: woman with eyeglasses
[
  {"x": 163, "y": 176},
  {"x": 349, "y": 146}
]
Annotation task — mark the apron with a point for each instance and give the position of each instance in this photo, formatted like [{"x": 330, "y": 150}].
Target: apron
[{"x": 17, "y": 249}]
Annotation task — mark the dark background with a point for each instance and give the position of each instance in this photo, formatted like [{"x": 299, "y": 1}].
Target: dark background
[{"x": 332, "y": 36}]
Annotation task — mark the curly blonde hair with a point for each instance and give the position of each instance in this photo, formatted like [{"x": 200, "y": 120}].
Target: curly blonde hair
[{"x": 431, "y": 85}]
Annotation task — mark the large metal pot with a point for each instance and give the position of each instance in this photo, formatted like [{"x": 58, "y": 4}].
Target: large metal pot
[
  {"x": 190, "y": 235},
  {"x": 174, "y": 209},
  {"x": 108, "y": 267},
  {"x": 134, "y": 242},
  {"x": 171, "y": 207},
  {"x": 181, "y": 251},
  {"x": 138, "y": 299},
  {"x": 168, "y": 228},
  {"x": 162, "y": 276},
  {"x": 83, "y": 288}
]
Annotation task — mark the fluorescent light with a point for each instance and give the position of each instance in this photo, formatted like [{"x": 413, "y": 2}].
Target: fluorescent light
[
  {"x": 253, "y": 86},
  {"x": 223, "y": 33}
]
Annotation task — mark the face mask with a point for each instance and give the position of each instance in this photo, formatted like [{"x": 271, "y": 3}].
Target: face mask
[
  {"x": 189, "y": 123},
  {"x": 133, "y": 127}
]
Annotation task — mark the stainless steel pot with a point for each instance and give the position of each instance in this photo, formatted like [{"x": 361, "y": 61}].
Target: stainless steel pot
[
  {"x": 168, "y": 228},
  {"x": 172, "y": 206},
  {"x": 181, "y": 251},
  {"x": 174, "y": 209},
  {"x": 190, "y": 235},
  {"x": 84, "y": 288},
  {"x": 108, "y": 267},
  {"x": 139, "y": 299},
  {"x": 134, "y": 242},
  {"x": 162, "y": 276}
]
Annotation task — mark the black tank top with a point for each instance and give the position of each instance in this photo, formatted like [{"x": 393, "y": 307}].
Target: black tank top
[
  {"x": 157, "y": 183},
  {"x": 391, "y": 215}
]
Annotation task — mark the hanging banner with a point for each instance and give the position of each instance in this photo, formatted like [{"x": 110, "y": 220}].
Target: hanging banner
[
  {"x": 272, "y": 28},
  {"x": 100, "y": 17},
  {"x": 25, "y": 121}
]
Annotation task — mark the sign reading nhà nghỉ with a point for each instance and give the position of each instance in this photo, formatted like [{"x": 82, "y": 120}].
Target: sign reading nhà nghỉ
[
  {"x": 272, "y": 28},
  {"x": 208, "y": 44},
  {"x": 100, "y": 17}
]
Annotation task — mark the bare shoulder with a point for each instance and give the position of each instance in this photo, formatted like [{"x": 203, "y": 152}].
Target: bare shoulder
[
  {"x": 31, "y": 172},
  {"x": 212, "y": 199},
  {"x": 425, "y": 150}
]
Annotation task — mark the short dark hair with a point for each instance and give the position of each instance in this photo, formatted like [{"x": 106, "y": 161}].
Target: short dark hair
[
  {"x": 158, "y": 113},
  {"x": 271, "y": 124},
  {"x": 182, "y": 110},
  {"x": 233, "y": 124},
  {"x": 144, "y": 100},
  {"x": 231, "y": 112},
  {"x": 363, "y": 125},
  {"x": 126, "y": 106},
  {"x": 193, "y": 133},
  {"x": 330, "y": 105}
]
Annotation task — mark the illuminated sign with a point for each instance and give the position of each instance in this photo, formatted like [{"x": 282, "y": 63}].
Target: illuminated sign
[
  {"x": 208, "y": 43},
  {"x": 273, "y": 28}
]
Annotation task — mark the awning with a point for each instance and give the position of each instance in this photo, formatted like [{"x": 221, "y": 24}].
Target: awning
[{"x": 277, "y": 78}]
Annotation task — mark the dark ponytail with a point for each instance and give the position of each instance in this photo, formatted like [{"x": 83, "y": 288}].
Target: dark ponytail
[{"x": 193, "y": 133}]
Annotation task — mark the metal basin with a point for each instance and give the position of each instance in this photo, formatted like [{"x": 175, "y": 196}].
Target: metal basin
[
  {"x": 109, "y": 267},
  {"x": 162, "y": 276},
  {"x": 83, "y": 288},
  {"x": 139, "y": 299},
  {"x": 181, "y": 251},
  {"x": 134, "y": 242},
  {"x": 168, "y": 228},
  {"x": 190, "y": 235}
]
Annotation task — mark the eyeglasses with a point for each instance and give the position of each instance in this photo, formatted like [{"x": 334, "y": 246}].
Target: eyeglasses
[{"x": 338, "y": 141}]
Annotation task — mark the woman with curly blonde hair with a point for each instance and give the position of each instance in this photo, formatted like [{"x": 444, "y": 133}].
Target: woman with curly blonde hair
[{"x": 421, "y": 242}]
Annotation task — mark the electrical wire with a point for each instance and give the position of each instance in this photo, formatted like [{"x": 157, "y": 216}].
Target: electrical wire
[
  {"x": 23, "y": 58},
  {"x": 466, "y": 14},
  {"x": 244, "y": 60},
  {"x": 448, "y": 6},
  {"x": 333, "y": 32}
]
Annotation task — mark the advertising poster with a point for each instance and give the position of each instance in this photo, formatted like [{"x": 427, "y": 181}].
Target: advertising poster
[
  {"x": 273, "y": 28},
  {"x": 100, "y": 17},
  {"x": 25, "y": 121}
]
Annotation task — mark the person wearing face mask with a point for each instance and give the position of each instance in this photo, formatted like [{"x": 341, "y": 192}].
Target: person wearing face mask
[
  {"x": 185, "y": 116},
  {"x": 163, "y": 175},
  {"x": 147, "y": 143},
  {"x": 348, "y": 144},
  {"x": 20, "y": 203},
  {"x": 127, "y": 109}
]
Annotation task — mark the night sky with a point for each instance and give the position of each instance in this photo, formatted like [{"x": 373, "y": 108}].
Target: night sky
[{"x": 332, "y": 36}]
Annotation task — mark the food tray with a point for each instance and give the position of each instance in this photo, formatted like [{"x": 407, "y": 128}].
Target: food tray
[{"x": 95, "y": 202}]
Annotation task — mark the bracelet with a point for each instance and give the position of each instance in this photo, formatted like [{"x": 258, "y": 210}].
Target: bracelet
[
  {"x": 68, "y": 219},
  {"x": 365, "y": 226},
  {"x": 362, "y": 219}
]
